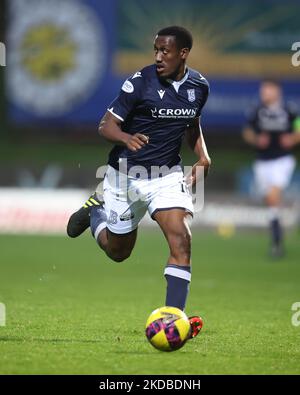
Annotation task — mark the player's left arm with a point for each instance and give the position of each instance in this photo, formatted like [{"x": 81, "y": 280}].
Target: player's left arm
[
  {"x": 296, "y": 130},
  {"x": 196, "y": 142},
  {"x": 290, "y": 140}
]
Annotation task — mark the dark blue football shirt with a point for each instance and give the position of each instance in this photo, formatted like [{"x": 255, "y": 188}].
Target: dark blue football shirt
[
  {"x": 160, "y": 109},
  {"x": 275, "y": 121}
]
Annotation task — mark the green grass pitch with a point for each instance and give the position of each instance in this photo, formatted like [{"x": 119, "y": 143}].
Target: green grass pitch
[{"x": 72, "y": 311}]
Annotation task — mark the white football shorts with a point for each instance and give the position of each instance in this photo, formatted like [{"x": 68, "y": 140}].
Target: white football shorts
[
  {"x": 273, "y": 173},
  {"x": 127, "y": 199}
]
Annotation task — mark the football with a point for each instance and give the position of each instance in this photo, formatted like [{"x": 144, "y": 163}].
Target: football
[{"x": 168, "y": 328}]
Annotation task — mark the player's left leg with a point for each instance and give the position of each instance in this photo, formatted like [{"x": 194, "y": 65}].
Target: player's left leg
[
  {"x": 273, "y": 200},
  {"x": 175, "y": 226}
]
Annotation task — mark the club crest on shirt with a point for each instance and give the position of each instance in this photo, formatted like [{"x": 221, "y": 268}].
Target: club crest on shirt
[
  {"x": 191, "y": 95},
  {"x": 127, "y": 87}
]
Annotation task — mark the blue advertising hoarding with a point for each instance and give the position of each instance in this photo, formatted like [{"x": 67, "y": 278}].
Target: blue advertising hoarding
[
  {"x": 60, "y": 60},
  {"x": 67, "y": 59}
]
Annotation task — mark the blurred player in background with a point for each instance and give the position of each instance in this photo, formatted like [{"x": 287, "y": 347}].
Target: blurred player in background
[
  {"x": 146, "y": 123},
  {"x": 273, "y": 128}
]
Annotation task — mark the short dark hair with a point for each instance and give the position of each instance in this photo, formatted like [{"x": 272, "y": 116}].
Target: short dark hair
[
  {"x": 183, "y": 37},
  {"x": 270, "y": 80}
]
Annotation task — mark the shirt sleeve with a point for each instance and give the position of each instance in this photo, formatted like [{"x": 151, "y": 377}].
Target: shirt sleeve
[
  {"x": 203, "y": 98},
  {"x": 129, "y": 96}
]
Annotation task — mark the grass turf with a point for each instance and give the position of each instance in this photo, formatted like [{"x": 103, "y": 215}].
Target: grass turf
[{"x": 71, "y": 311}]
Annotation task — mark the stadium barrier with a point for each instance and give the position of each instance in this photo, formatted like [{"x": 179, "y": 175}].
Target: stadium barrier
[{"x": 46, "y": 211}]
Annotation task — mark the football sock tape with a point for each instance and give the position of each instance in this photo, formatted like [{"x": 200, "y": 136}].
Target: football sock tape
[
  {"x": 178, "y": 281},
  {"x": 97, "y": 221}
]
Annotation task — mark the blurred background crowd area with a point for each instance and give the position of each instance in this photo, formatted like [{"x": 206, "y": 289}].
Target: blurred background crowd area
[{"x": 66, "y": 61}]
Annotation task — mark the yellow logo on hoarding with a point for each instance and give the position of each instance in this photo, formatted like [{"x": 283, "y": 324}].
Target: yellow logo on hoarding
[
  {"x": 48, "y": 52},
  {"x": 57, "y": 59}
]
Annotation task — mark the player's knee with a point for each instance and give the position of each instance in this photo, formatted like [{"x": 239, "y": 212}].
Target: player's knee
[{"x": 119, "y": 255}]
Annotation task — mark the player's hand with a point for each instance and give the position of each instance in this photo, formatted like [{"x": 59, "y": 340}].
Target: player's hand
[
  {"x": 263, "y": 141},
  {"x": 193, "y": 177},
  {"x": 206, "y": 163},
  {"x": 136, "y": 141},
  {"x": 286, "y": 140}
]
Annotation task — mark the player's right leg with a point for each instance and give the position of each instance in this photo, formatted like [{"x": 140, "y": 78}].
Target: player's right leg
[
  {"x": 117, "y": 247},
  {"x": 80, "y": 220},
  {"x": 113, "y": 218}
]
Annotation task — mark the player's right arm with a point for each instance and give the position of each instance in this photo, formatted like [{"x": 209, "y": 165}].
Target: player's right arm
[
  {"x": 249, "y": 136},
  {"x": 124, "y": 104},
  {"x": 110, "y": 129},
  {"x": 259, "y": 140}
]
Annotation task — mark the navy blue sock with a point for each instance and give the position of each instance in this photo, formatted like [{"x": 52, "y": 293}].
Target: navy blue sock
[
  {"x": 178, "y": 279},
  {"x": 97, "y": 220},
  {"x": 276, "y": 231}
]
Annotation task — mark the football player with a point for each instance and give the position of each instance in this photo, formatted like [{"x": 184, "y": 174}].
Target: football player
[
  {"x": 273, "y": 129},
  {"x": 146, "y": 122}
]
